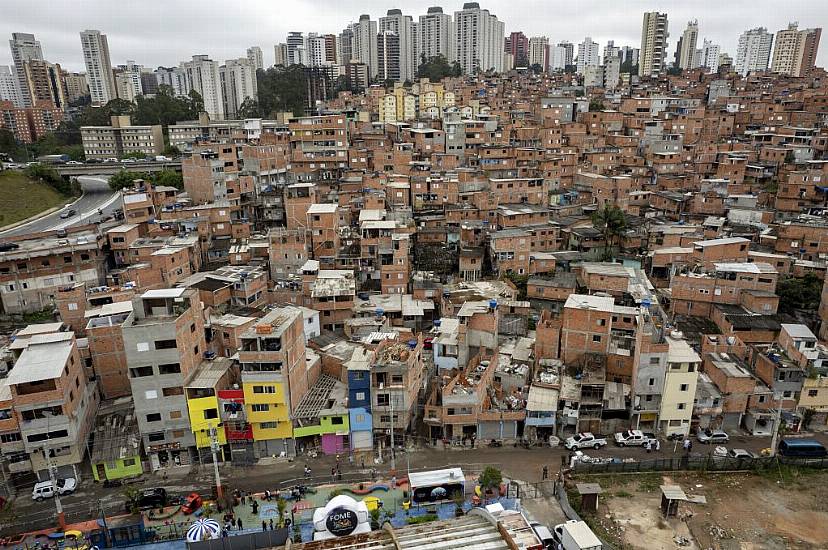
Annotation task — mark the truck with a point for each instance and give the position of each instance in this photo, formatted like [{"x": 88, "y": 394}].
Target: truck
[
  {"x": 633, "y": 437},
  {"x": 584, "y": 440},
  {"x": 576, "y": 535}
]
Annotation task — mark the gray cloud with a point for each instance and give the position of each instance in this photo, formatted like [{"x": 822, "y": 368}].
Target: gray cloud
[{"x": 155, "y": 33}]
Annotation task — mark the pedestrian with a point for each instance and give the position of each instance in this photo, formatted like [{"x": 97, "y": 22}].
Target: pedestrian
[
  {"x": 338, "y": 474},
  {"x": 333, "y": 473},
  {"x": 267, "y": 494},
  {"x": 393, "y": 482},
  {"x": 363, "y": 462},
  {"x": 545, "y": 473},
  {"x": 689, "y": 446},
  {"x": 239, "y": 523},
  {"x": 647, "y": 446},
  {"x": 271, "y": 524},
  {"x": 686, "y": 445},
  {"x": 351, "y": 459},
  {"x": 658, "y": 445},
  {"x": 264, "y": 525}
]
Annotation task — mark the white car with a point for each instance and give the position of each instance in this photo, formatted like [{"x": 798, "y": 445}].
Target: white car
[
  {"x": 111, "y": 159},
  {"x": 709, "y": 436},
  {"x": 584, "y": 440},
  {"x": 74, "y": 163},
  {"x": 45, "y": 489}
]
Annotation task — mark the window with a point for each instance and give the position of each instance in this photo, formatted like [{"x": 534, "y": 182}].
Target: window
[
  {"x": 175, "y": 415},
  {"x": 210, "y": 413},
  {"x": 681, "y": 406},
  {"x": 652, "y": 382},
  {"x": 165, "y": 344},
  {"x": 11, "y": 437},
  {"x": 172, "y": 390},
  {"x": 596, "y": 338},
  {"x": 142, "y": 346},
  {"x": 139, "y": 372},
  {"x": 337, "y": 421},
  {"x": 169, "y": 368},
  {"x": 655, "y": 360},
  {"x": 787, "y": 394},
  {"x": 269, "y": 425},
  {"x": 813, "y": 393},
  {"x": 156, "y": 436},
  {"x": 129, "y": 462},
  {"x": 359, "y": 396},
  {"x": 260, "y": 407},
  {"x": 683, "y": 387},
  {"x": 154, "y": 417},
  {"x": 602, "y": 322},
  {"x": 383, "y": 400},
  {"x": 264, "y": 389},
  {"x": 178, "y": 433},
  {"x": 150, "y": 394},
  {"x": 358, "y": 375}
]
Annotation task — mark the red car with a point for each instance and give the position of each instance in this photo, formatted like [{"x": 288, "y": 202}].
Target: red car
[{"x": 191, "y": 504}]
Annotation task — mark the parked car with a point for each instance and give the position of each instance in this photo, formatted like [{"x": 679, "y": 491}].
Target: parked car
[
  {"x": 544, "y": 534},
  {"x": 708, "y": 436},
  {"x": 68, "y": 213},
  {"x": 584, "y": 440},
  {"x": 150, "y": 498},
  {"x": 111, "y": 159},
  {"x": 129, "y": 160},
  {"x": 5, "y": 247},
  {"x": 74, "y": 163},
  {"x": 162, "y": 158},
  {"x": 740, "y": 453},
  {"x": 633, "y": 437},
  {"x": 191, "y": 503},
  {"x": 46, "y": 489}
]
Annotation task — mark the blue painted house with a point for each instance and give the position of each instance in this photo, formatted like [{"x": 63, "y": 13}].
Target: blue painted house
[{"x": 359, "y": 400}]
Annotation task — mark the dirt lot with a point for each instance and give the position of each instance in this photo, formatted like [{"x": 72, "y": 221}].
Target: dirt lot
[{"x": 784, "y": 509}]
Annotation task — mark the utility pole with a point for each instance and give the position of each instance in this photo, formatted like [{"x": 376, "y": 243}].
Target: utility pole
[
  {"x": 776, "y": 428},
  {"x": 393, "y": 452},
  {"x": 214, "y": 449},
  {"x": 50, "y": 465}
]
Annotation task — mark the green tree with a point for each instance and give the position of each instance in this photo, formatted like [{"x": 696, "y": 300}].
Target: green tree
[
  {"x": 282, "y": 89},
  {"x": 490, "y": 478},
  {"x": 536, "y": 68},
  {"x": 48, "y": 175},
  {"x": 799, "y": 293},
  {"x": 9, "y": 145},
  {"x": 611, "y": 222},
  {"x": 437, "y": 68},
  {"x": 628, "y": 67},
  {"x": 124, "y": 178},
  {"x": 596, "y": 105},
  {"x": 170, "y": 178},
  {"x": 674, "y": 71},
  {"x": 249, "y": 109}
]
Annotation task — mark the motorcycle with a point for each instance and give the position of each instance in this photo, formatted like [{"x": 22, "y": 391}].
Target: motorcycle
[{"x": 495, "y": 443}]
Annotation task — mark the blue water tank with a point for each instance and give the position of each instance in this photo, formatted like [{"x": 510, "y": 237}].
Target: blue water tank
[
  {"x": 492, "y": 304},
  {"x": 412, "y": 344},
  {"x": 379, "y": 311},
  {"x": 437, "y": 322}
]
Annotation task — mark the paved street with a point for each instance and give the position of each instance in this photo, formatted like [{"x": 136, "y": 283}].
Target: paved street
[
  {"x": 517, "y": 463},
  {"x": 96, "y": 195}
]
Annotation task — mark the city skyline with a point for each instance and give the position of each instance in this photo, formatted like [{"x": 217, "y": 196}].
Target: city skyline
[{"x": 166, "y": 34}]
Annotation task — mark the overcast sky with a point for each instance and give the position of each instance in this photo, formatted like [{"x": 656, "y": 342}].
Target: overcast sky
[{"x": 154, "y": 32}]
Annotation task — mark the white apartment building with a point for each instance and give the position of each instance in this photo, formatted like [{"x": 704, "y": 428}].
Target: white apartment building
[
  {"x": 315, "y": 50},
  {"x": 680, "y": 381},
  {"x": 539, "y": 52},
  {"x": 479, "y": 39},
  {"x": 365, "y": 43},
  {"x": 254, "y": 55},
  {"x": 753, "y": 51},
  {"x": 128, "y": 81},
  {"x": 612, "y": 72},
  {"x": 9, "y": 90},
  {"x": 653, "y": 44},
  {"x": 280, "y": 54},
  {"x": 710, "y": 56},
  {"x": 588, "y": 55},
  {"x": 295, "y": 48},
  {"x": 24, "y": 48},
  {"x": 686, "y": 49},
  {"x": 174, "y": 77},
  {"x": 238, "y": 82},
  {"x": 403, "y": 27},
  {"x": 203, "y": 76},
  {"x": 562, "y": 55},
  {"x": 98, "y": 67},
  {"x": 435, "y": 35}
]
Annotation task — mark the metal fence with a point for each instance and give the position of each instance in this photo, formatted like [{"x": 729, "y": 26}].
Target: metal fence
[{"x": 707, "y": 463}]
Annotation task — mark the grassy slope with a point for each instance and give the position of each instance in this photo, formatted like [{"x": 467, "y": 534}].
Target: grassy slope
[{"x": 21, "y": 198}]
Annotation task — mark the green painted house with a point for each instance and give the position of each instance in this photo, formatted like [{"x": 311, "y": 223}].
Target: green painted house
[{"x": 116, "y": 443}]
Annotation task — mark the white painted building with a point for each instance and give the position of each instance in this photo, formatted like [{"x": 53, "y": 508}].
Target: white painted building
[
  {"x": 365, "y": 43},
  {"x": 9, "y": 90},
  {"x": 238, "y": 83},
  {"x": 202, "y": 75},
  {"x": 753, "y": 52},
  {"x": 479, "y": 39},
  {"x": 435, "y": 35},
  {"x": 24, "y": 48},
  {"x": 254, "y": 54},
  {"x": 98, "y": 67},
  {"x": 588, "y": 55}
]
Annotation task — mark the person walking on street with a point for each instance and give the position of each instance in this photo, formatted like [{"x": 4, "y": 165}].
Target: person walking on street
[
  {"x": 647, "y": 446},
  {"x": 333, "y": 473},
  {"x": 239, "y": 523},
  {"x": 658, "y": 445},
  {"x": 271, "y": 524},
  {"x": 545, "y": 473},
  {"x": 264, "y": 525},
  {"x": 687, "y": 446}
]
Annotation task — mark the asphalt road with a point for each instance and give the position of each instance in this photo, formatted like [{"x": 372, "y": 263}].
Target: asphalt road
[
  {"x": 517, "y": 463},
  {"x": 96, "y": 195}
]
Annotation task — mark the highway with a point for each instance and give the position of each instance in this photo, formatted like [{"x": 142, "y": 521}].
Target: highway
[{"x": 96, "y": 195}]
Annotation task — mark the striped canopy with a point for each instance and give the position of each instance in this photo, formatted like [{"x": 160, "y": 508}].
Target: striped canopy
[{"x": 203, "y": 529}]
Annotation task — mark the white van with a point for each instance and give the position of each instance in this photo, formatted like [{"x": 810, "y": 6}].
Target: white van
[{"x": 45, "y": 489}]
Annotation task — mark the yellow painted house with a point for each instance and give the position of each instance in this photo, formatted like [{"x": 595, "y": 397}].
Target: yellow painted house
[
  {"x": 202, "y": 399},
  {"x": 267, "y": 409}
]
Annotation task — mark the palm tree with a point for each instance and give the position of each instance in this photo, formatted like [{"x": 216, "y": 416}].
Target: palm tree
[{"x": 611, "y": 222}]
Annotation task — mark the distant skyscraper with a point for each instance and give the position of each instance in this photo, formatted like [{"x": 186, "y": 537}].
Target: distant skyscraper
[
  {"x": 795, "y": 50},
  {"x": 175, "y": 78},
  {"x": 753, "y": 51},
  {"x": 686, "y": 48},
  {"x": 630, "y": 55},
  {"x": 518, "y": 45},
  {"x": 280, "y": 54},
  {"x": 238, "y": 83},
  {"x": 611, "y": 50},
  {"x": 653, "y": 44},
  {"x": 612, "y": 71},
  {"x": 44, "y": 82},
  {"x": 478, "y": 39},
  {"x": 539, "y": 52},
  {"x": 710, "y": 56},
  {"x": 345, "y": 47},
  {"x": 365, "y": 43},
  {"x": 254, "y": 54},
  {"x": 202, "y": 75},
  {"x": 98, "y": 67},
  {"x": 128, "y": 81},
  {"x": 587, "y": 55},
  {"x": 562, "y": 55},
  {"x": 435, "y": 35},
  {"x": 389, "y": 57},
  {"x": 315, "y": 50},
  {"x": 331, "y": 49},
  {"x": 24, "y": 48},
  {"x": 295, "y": 48},
  {"x": 403, "y": 27},
  {"x": 9, "y": 90},
  {"x": 76, "y": 86}
]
